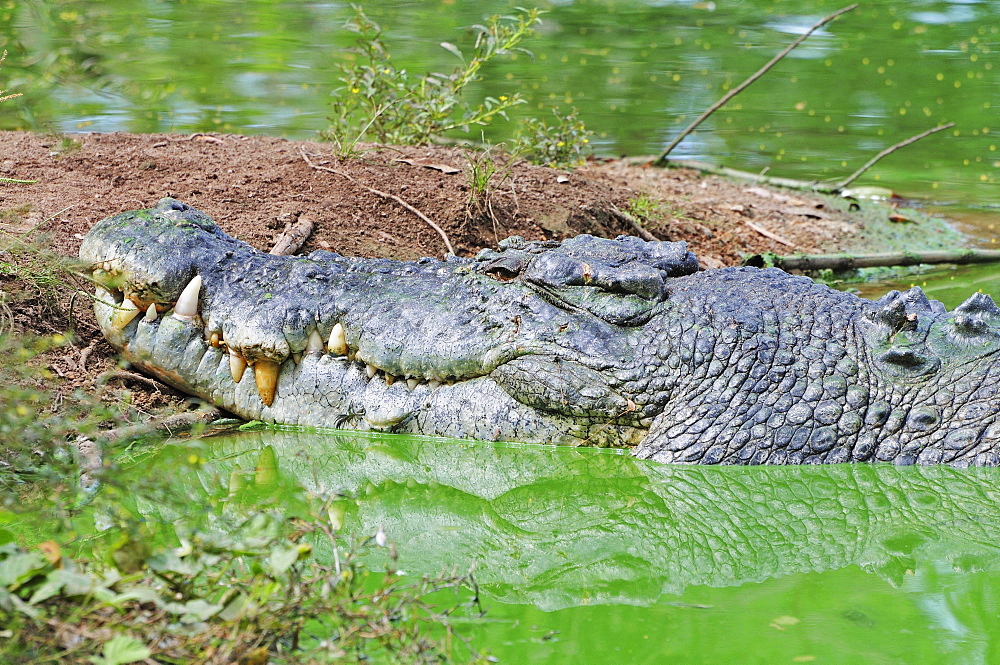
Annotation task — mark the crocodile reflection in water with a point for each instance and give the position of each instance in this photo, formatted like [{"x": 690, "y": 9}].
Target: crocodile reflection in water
[{"x": 556, "y": 528}]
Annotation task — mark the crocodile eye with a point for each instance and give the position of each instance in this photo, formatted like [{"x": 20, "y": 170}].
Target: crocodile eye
[{"x": 502, "y": 273}]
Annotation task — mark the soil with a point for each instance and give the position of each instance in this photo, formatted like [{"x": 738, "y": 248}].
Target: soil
[{"x": 254, "y": 186}]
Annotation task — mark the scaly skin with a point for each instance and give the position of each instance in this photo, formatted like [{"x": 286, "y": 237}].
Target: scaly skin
[{"x": 603, "y": 342}]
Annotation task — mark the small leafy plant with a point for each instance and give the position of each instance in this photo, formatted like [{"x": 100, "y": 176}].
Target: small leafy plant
[
  {"x": 44, "y": 276},
  {"x": 560, "y": 144},
  {"x": 485, "y": 175},
  {"x": 646, "y": 208},
  {"x": 392, "y": 105}
]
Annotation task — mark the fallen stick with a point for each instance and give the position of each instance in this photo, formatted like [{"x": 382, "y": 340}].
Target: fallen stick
[
  {"x": 768, "y": 234},
  {"x": 888, "y": 151},
  {"x": 385, "y": 195},
  {"x": 623, "y": 216},
  {"x": 171, "y": 425},
  {"x": 293, "y": 237},
  {"x": 757, "y": 178},
  {"x": 90, "y": 451},
  {"x": 847, "y": 262},
  {"x": 85, "y": 354},
  {"x": 125, "y": 375},
  {"x": 742, "y": 86}
]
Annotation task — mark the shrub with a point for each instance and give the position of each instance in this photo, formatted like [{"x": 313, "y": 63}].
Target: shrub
[
  {"x": 561, "y": 144},
  {"x": 394, "y": 106}
]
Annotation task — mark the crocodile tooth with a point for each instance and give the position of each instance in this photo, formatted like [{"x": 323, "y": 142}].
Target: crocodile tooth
[
  {"x": 389, "y": 379},
  {"x": 370, "y": 370},
  {"x": 123, "y": 314},
  {"x": 151, "y": 313},
  {"x": 433, "y": 383},
  {"x": 237, "y": 365},
  {"x": 186, "y": 308},
  {"x": 315, "y": 343},
  {"x": 215, "y": 339},
  {"x": 265, "y": 373},
  {"x": 412, "y": 383},
  {"x": 338, "y": 341},
  {"x": 296, "y": 357}
]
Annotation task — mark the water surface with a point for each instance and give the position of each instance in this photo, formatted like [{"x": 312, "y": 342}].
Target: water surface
[{"x": 590, "y": 556}]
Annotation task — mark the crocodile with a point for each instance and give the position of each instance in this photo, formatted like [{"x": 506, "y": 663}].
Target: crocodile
[{"x": 606, "y": 342}]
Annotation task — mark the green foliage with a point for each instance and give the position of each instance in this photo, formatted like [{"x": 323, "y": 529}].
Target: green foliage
[
  {"x": 38, "y": 424},
  {"x": 3, "y": 97},
  {"x": 241, "y": 587},
  {"x": 560, "y": 144},
  {"x": 251, "y": 593},
  {"x": 120, "y": 650},
  {"x": 46, "y": 274},
  {"x": 393, "y": 106},
  {"x": 645, "y": 208}
]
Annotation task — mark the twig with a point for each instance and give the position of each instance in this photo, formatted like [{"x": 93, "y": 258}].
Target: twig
[
  {"x": 124, "y": 375},
  {"x": 18, "y": 182},
  {"x": 385, "y": 195},
  {"x": 773, "y": 236},
  {"x": 90, "y": 451},
  {"x": 179, "y": 422},
  {"x": 623, "y": 216},
  {"x": 758, "y": 178},
  {"x": 293, "y": 237},
  {"x": 888, "y": 151},
  {"x": 848, "y": 262},
  {"x": 738, "y": 89},
  {"x": 85, "y": 353}
]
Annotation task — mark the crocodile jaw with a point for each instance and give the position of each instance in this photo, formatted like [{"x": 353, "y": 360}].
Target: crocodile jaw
[
  {"x": 331, "y": 391},
  {"x": 332, "y": 342}
]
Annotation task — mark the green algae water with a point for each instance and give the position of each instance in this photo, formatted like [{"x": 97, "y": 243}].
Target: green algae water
[{"x": 588, "y": 556}]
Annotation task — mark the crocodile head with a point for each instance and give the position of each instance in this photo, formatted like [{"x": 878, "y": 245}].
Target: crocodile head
[{"x": 536, "y": 336}]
